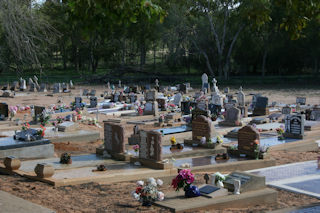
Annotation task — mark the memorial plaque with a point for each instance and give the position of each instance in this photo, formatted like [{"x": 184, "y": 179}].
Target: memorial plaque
[
  {"x": 301, "y": 100},
  {"x": 114, "y": 138}
]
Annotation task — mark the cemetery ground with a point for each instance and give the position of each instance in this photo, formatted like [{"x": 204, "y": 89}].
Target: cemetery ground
[{"x": 94, "y": 197}]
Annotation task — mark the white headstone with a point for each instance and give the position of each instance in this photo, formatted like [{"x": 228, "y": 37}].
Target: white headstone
[
  {"x": 177, "y": 99},
  {"x": 204, "y": 79},
  {"x": 241, "y": 97}
]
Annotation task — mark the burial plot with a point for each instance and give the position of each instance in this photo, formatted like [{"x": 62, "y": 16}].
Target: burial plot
[
  {"x": 261, "y": 106},
  {"x": 114, "y": 140},
  {"x": 4, "y": 111},
  {"x": 232, "y": 117},
  {"x": 294, "y": 126},
  {"x": 301, "y": 100},
  {"x": 248, "y": 140}
]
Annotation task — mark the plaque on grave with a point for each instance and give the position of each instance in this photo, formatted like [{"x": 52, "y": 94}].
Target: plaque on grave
[
  {"x": 114, "y": 138},
  {"x": 38, "y": 110},
  {"x": 211, "y": 191},
  {"x": 249, "y": 181},
  {"x": 301, "y": 100},
  {"x": 294, "y": 126}
]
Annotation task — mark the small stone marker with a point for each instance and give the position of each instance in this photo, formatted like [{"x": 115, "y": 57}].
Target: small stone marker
[
  {"x": 261, "y": 106},
  {"x": 93, "y": 102},
  {"x": 294, "y": 126},
  {"x": 233, "y": 117},
  {"x": 177, "y": 99},
  {"x": 248, "y": 137},
  {"x": 67, "y": 126},
  {"x": 241, "y": 97}
]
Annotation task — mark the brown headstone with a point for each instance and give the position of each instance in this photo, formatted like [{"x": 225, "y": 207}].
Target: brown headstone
[
  {"x": 247, "y": 137},
  {"x": 201, "y": 127},
  {"x": 150, "y": 145},
  {"x": 114, "y": 138}
]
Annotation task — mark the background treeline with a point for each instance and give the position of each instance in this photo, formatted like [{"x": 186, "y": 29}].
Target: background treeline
[{"x": 94, "y": 40}]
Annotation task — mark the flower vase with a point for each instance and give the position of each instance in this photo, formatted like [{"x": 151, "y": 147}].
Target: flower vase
[
  {"x": 146, "y": 203},
  {"x": 220, "y": 184},
  {"x": 191, "y": 191}
]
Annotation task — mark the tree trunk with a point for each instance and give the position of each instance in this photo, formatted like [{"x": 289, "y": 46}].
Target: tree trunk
[
  {"x": 142, "y": 55},
  {"x": 264, "y": 59},
  {"x": 154, "y": 56}
]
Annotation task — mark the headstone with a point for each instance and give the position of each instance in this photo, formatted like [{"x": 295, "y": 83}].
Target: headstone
[
  {"x": 183, "y": 88},
  {"x": 133, "y": 98},
  {"x": 151, "y": 95},
  {"x": 294, "y": 126},
  {"x": 119, "y": 84},
  {"x": 226, "y": 90},
  {"x": 108, "y": 85},
  {"x": 36, "y": 83},
  {"x": 315, "y": 115},
  {"x": 233, "y": 117},
  {"x": 23, "y": 84},
  {"x": 57, "y": 88},
  {"x": 198, "y": 112},
  {"x": 248, "y": 138},
  {"x": 162, "y": 103},
  {"x": 85, "y": 92},
  {"x": 65, "y": 88},
  {"x": 150, "y": 145},
  {"x": 32, "y": 87},
  {"x": 204, "y": 79},
  {"x": 71, "y": 85},
  {"x": 43, "y": 87},
  {"x": 254, "y": 99},
  {"x": 93, "y": 102},
  {"x": 14, "y": 86},
  {"x": 203, "y": 105},
  {"x": 4, "y": 111},
  {"x": 202, "y": 126},
  {"x": 244, "y": 111},
  {"x": 177, "y": 99},
  {"x": 301, "y": 100},
  {"x": 78, "y": 102},
  {"x": 241, "y": 97},
  {"x": 151, "y": 108},
  {"x": 215, "y": 88},
  {"x": 38, "y": 110},
  {"x": 114, "y": 138},
  {"x": 286, "y": 110},
  {"x": 92, "y": 92},
  {"x": 214, "y": 109},
  {"x": 185, "y": 107},
  {"x": 261, "y": 106}
]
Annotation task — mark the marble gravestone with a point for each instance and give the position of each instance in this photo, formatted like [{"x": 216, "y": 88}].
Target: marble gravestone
[
  {"x": 151, "y": 108},
  {"x": 150, "y": 145},
  {"x": 23, "y": 84},
  {"x": 294, "y": 126},
  {"x": 177, "y": 99},
  {"x": 78, "y": 102},
  {"x": 233, "y": 117},
  {"x": 301, "y": 100},
  {"x": 93, "y": 102},
  {"x": 261, "y": 106},
  {"x": 202, "y": 126},
  {"x": 315, "y": 115},
  {"x": 254, "y": 100},
  {"x": 241, "y": 97},
  {"x": 248, "y": 137},
  {"x": 204, "y": 79},
  {"x": 43, "y": 87},
  {"x": 4, "y": 111},
  {"x": 114, "y": 138},
  {"x": 57, "y": 88}
]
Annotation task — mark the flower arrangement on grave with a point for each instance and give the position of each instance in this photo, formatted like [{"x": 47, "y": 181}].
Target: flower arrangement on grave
[
  {"x": 25, "y": 126},
  {"x": 136, "y": 149},
  {"x": 65, "y": 158},
  {"x": 148, "y": 193},
  {"x": 44, "y": 118},
  {"x": 219, "y": 178},
  {"x": 223, "y": 156},
  {"x": 173, "y": 140},
  {"x": 78, "y": 111},
  {"x": 140, "y": 111},
  {"x": 203, "y": 140},
  {"x": 219, "y": 140},
  {"x": 59, "y": 119},
  {"x": 257, "y": 149},
  {"x": 42, "y": 131},
  {"x": 13, "y": 111},
  {"x": 184, "y": 180},
  {"x": 280, "y": 132}
]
